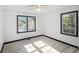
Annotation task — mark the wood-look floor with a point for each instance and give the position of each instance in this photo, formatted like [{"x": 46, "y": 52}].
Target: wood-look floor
[{"x": 38, "y": 45}]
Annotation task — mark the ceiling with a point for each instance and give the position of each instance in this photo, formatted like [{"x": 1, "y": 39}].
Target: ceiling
[{"x": 32, "y": 8}]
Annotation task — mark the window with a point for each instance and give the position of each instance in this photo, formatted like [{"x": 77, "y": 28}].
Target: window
[{"x": 26, "y": 24}]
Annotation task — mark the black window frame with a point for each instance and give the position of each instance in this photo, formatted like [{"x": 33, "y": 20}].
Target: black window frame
[
  {"x": 26, "y": 24},
  {"x": 76, "y": 23}
]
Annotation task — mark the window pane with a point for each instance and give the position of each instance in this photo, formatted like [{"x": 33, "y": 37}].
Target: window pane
[
  {"x": 22, "y": 24},
  {"x": 31, "y": 23}
]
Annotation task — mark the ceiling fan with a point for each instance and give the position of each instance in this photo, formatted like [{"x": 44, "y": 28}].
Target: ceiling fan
[{"x": 38, "y": 7}]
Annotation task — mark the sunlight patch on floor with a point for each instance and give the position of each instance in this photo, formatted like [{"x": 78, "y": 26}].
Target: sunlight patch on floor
[
  {"x": 48, "y": 49},
  {"x": 39, "y": 44},
  {"x": 29, "y": 48},
  {"x": 36, "y": 52}
]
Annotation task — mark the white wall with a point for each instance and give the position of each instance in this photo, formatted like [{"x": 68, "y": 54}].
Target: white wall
[
  {"x": 52, "y": 26},
  {"x": 10, "y": 26},
  {"x": 1, "y": 28}
]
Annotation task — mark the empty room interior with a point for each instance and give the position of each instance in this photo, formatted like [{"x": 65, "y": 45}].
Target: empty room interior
[{"x": 39, "y": 29}]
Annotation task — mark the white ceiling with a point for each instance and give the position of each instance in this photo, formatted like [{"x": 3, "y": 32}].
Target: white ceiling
[{"x": 31, "y": 9}]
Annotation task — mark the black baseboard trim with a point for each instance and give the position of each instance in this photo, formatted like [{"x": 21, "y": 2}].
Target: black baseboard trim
[
  {"x": 35, "y": 37},
  {"x": 22, "y": 39},
  {"x": 2, "y": 48},
  {"x": 18, "y": 40},
  {"x": 60, "y": 41}
]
